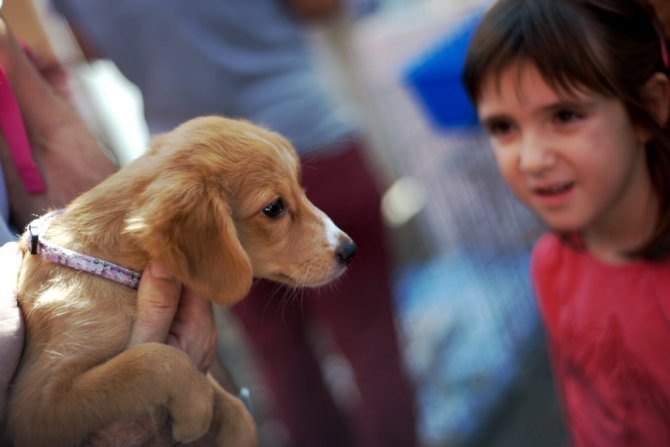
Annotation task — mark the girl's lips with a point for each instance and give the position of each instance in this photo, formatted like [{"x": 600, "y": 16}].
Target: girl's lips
[
  {"x": 553, "y": 190},
  {"x": 554, "y": 195}
]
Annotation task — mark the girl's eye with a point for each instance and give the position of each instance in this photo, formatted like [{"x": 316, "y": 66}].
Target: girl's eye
[
  {"x": 567, "y": 116},
  {"x": 498, "y": 128},
  {"x": 275, "y": 208}
]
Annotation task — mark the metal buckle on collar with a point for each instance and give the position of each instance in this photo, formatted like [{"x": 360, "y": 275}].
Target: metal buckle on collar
[{"x": 34, "y": 238}]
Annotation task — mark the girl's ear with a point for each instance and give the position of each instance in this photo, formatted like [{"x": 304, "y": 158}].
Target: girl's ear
[{"x": 656, "y": 96}]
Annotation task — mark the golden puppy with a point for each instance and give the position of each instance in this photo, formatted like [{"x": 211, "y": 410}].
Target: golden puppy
[{"x": 218, "y": 201}]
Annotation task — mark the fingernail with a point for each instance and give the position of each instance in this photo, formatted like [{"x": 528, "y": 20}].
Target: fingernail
[{"x": 159, "y": 271}]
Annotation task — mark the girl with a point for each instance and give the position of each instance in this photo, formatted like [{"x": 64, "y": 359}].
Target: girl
[{"x": 574, "y": 95}]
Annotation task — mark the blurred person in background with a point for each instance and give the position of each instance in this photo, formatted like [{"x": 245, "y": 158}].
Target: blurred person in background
[{"x": 251, "y": 59}]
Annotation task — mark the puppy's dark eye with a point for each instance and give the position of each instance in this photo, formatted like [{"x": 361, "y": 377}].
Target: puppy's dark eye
[{"x": 274, "y": 209}]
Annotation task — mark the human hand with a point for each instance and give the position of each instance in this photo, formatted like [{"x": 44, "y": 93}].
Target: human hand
[
  {"x": 11, "y": 322},
  {"x": 70, "y": 159},
  {"x": 166, "y": 313}
]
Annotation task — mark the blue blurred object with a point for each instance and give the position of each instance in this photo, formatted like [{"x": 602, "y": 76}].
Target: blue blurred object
[
  {"x": 435, "y": 78},
  {"x": 469, "y": 319}
]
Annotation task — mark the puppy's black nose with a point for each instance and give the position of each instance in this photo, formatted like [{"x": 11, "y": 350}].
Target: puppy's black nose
[{"x": 346, "y": 251}]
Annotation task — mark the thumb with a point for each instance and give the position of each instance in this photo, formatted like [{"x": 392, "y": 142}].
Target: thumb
[{"x": 157, "y": 302}]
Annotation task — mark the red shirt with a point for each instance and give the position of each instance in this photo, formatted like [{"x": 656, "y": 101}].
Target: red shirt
[{"x": 609, "y": 336}]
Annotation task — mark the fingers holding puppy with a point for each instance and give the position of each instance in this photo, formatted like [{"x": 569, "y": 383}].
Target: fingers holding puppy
[
  {"x": 157, "y": 303},
  {"x": 193, "y": 330},
  {"x": 11, "y": 322},
  {"x": 164, "y": 313},
  {"x": 169, "y": 313}
]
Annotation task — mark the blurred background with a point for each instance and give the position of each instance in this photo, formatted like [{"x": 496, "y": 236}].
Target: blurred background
[{"x": 470, "y": 332}]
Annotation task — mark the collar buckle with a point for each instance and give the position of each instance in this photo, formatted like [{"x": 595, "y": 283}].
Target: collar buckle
[{"x": 34, "y": 238}]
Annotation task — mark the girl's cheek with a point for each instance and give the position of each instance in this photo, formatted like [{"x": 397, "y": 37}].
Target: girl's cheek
[
  {"x": 507, "y": 160},
  {"x": 509, "y": 167}
]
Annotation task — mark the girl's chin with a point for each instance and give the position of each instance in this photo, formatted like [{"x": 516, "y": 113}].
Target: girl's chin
[
  {"x": 562, "y": 219},
  {"x": 563, "y": 226}
]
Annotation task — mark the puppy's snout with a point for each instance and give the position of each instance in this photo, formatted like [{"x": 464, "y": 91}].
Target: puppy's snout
[{"x": 346, "y": 251}]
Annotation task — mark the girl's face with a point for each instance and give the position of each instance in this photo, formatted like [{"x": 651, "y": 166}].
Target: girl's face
[{"x": 575, "y": 159}]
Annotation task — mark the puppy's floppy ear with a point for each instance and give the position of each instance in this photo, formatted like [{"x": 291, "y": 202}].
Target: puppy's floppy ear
[{"x": 189, "y": 227}]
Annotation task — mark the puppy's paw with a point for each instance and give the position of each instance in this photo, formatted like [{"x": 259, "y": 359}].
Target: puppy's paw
[{"x": 191, "y": 411}]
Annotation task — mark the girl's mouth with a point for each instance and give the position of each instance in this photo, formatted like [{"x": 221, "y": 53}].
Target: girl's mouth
[
  {"x": 555, "y": 196},
  {"x": 554, "y": 190}
]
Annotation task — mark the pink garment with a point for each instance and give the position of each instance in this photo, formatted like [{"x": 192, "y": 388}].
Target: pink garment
[
  {"x": 12, "y": 128},
  {"x": 609, "y": 336}
]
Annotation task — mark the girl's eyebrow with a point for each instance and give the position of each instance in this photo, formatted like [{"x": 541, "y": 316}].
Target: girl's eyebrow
[
  {"x": 550, "y": 108},
  {"x": 488, "y": 121},
  {"x": 570, "y": 103}
]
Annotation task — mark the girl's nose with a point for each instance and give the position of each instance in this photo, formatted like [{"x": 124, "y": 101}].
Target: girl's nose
[{"x": 536, "y": 154}]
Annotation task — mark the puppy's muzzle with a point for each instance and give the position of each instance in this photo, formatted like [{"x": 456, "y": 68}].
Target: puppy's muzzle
[{"x": 346, "y": 250}]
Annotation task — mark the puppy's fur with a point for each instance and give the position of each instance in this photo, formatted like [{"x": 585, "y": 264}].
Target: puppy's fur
[{"x": 216, "y": 200}]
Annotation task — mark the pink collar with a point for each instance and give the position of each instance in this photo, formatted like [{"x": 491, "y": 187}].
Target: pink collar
[
  {"x": 78, "y": 261},
  {"x": 11, "y": 126}
]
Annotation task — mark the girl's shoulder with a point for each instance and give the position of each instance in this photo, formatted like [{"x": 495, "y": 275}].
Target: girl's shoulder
[{"x": 555, "y": 262}]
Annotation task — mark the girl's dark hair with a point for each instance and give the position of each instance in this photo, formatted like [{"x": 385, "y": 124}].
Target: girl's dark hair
[{"x": 611, "y": 47}]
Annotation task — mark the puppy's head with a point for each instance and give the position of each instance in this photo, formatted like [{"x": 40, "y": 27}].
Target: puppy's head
[{"x": 225, "y": 204}]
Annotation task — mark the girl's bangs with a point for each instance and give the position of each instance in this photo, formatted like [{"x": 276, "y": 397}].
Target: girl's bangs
[{"x": 550, "y": 35}]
